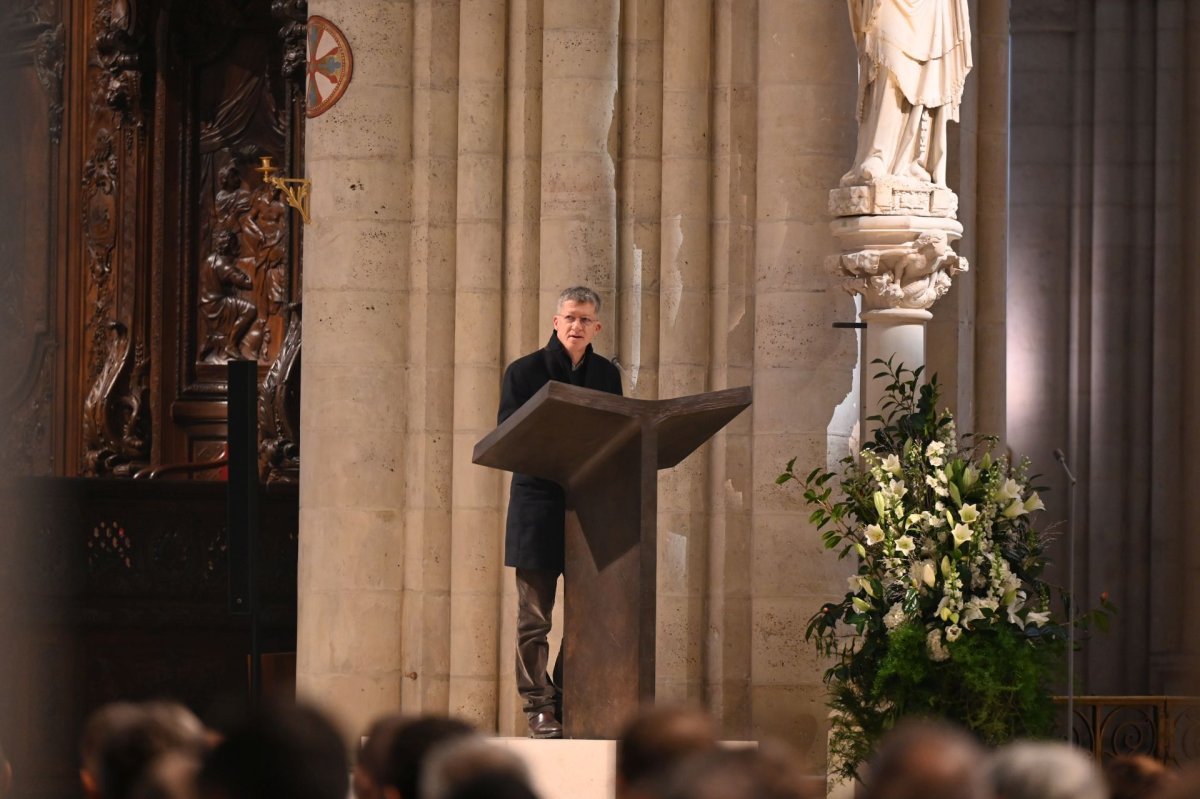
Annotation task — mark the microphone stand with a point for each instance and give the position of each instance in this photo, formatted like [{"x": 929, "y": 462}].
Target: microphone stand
[{"x": 1062, "y": 461}]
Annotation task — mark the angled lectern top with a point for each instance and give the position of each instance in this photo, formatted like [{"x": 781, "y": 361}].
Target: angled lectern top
[{"x": 606, "y": 450}]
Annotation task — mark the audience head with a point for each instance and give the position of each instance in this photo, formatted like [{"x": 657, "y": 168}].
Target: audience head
[
  {"x": 922, "y": 759},
  {"x": 277, "y": 752},
  {"x": 1044, "y": 770},
  {"x": 656, "y": 741},
  {"x": 768, "y": 771},
  {"x": 391, "y": 761},
  {"x": 469, "y": 766},
  {"x": 1137, "y": 777},
  {"x": 121, "y": 741}
]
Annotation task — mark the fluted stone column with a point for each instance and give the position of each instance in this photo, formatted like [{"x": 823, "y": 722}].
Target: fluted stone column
[
  {"x": 352, "y": 424},
  {"x": 684, "y": 335},
  {"x": 475, "y": 556},
  {"x": 802, "y": 365},
  {"x": 579, "y": 198},
  {"x": 521, "y": 322},
  {"x": 639, "y": 222},
  {"x": 727, "y": 623},
  {"x": 429, "y": 399}
]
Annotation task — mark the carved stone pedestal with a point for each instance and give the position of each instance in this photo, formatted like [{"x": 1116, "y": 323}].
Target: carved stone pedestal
[{"x": 900, "y": 265}]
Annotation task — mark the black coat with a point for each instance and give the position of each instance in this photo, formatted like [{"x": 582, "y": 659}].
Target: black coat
[{"x": 537, "y": 508}]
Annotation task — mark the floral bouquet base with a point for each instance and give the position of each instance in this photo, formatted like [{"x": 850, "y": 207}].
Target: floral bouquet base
[{"x": 946, "y": 614}]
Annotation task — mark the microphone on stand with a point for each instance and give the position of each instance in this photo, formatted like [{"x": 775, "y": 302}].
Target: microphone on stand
[{"x": 1062, "y": 461}]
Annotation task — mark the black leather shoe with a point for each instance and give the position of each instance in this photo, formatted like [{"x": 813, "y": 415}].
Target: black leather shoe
[{"x": 543, "y": 724}]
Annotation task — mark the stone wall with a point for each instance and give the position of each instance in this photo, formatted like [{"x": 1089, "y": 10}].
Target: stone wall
[{"x": 674, "y": 154}]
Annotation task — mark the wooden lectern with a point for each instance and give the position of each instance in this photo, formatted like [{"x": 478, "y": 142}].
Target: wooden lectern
[{"x": 606, "y": 450}]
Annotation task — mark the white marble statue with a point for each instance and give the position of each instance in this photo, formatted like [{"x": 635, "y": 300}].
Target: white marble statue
[{"x": 913, "y": 59}]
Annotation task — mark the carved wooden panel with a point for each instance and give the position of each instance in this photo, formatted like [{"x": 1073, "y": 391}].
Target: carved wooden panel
[
  {"x": 115, "y": 354},
  {"x": 31, "y": 60},
  {"x": 231, "y": 244}
]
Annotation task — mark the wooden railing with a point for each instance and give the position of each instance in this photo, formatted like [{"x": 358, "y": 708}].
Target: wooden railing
[{"x": 1166, "y": 728}]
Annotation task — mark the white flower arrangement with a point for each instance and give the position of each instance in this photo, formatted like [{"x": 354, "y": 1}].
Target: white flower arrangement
[{"x": 946, "y": 613}]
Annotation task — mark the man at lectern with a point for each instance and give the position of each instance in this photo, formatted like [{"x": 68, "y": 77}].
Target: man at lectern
[{"x": 533, "y": 540}]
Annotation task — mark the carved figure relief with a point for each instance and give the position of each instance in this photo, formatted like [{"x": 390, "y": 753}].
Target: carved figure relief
[
  {"x": 914, "y": 276},
  {"x": 230, "y": 332},
  {"x": 279, "y": 407},
  {"x": 51, "y": 49}
]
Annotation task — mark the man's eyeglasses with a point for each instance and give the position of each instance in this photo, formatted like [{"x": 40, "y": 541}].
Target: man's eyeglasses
[{"x": 584, "y": 321}]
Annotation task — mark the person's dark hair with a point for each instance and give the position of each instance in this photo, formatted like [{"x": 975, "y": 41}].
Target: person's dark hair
[
  {"x": 278, "y": 752},
  {"x": 580, "y": 294},
  {"x": 768, "y": 771},
  {"x": 492, "y": 785},
  {"x": 1137, "y": 777},
  {"x": 659, "y": 739},
  {"x": 922, "y": 759},
  {"x": 404, "y": 758},
  {"x": 121, "y": 740},
  {"x": 377, "y": 744}
]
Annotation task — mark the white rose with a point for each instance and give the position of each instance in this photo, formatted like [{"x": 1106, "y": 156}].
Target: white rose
[
  {"x": 953, "y": 632},
  {"x": 894, "y": 617}
]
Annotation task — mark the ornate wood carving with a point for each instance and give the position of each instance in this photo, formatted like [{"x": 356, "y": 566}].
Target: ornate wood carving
[
  {"x": 279, "y": 408},
  {"x": 116, "y": 433},
  {"x": 294, "y": 35},
  {"x": 234, "y": 272}
]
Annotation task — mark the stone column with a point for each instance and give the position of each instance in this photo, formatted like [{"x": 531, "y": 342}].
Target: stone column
[
  {"x": 522, "y": 217},
  {"x": 802, "y": 366},
  {"x": 352, "y": 424},
  {"x": 428, "y": 409},
  {"x": 476, "y": 566},
  {"x": 579, "y": 197},
  {"x": 639, "y": 224},
  {"x": 727, "y": 655},
  {"x": 684, "y": 335}
]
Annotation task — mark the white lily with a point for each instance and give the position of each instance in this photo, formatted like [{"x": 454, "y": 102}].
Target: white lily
[
  {"x": 1015, "y": 508},
  {"x": 962, "y": 533},
  {"x": 1033, "y": 502},
  {"x": 905, "y": 544},
  {"x": 1011, "y": 489},
  {"x": 1037, "y": 618},
  {"x": 969, "y": 513},
  {"x": 873, "y": 533}
]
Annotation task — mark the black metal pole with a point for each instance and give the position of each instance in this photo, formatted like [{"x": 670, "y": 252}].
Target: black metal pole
[{"x": 243, "y": 507}]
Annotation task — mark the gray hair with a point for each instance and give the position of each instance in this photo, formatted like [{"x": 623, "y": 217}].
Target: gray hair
[
  {"x": 580, "y": 294},
  {"x": 1045, "y": 770}
]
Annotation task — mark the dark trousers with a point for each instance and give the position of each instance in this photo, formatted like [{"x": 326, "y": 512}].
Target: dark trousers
[{"x": 535, "y": 603}]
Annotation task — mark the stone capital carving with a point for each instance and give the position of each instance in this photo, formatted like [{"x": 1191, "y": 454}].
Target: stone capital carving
[{"x": 910, "y": 276}]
